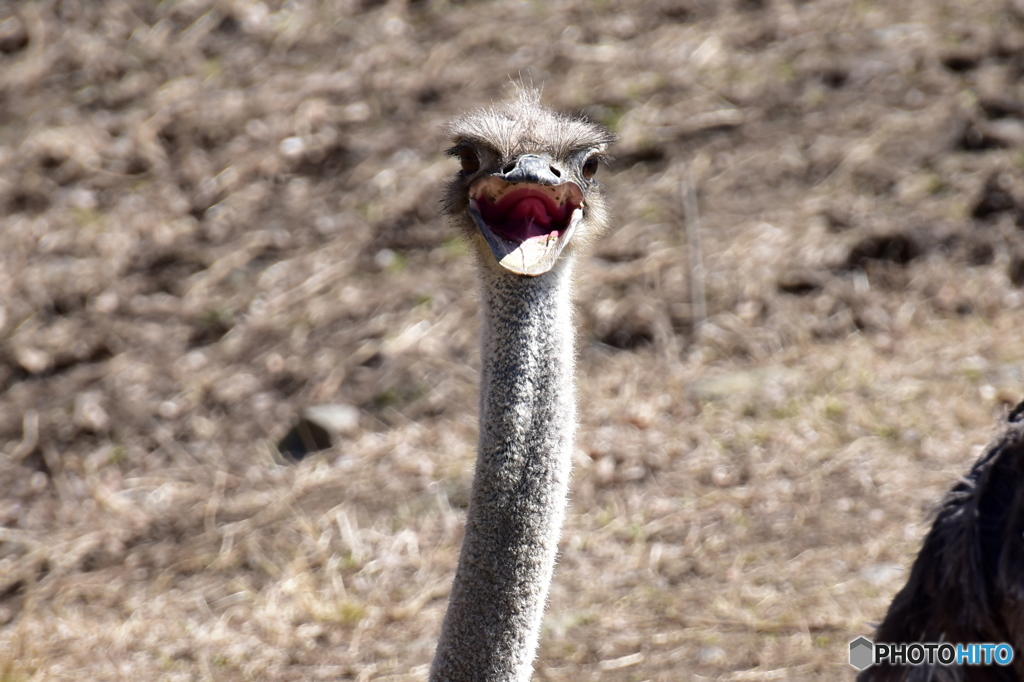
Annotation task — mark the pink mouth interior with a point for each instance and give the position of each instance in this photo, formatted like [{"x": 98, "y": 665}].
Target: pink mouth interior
[{"x": 525, "y": 213}]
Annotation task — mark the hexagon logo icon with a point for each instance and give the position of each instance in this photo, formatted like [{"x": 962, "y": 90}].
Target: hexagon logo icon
[{"x": 862, "y": 651}]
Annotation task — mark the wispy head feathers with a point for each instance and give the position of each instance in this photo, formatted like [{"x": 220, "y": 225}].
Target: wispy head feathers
[{"x": 522, "y": 125}]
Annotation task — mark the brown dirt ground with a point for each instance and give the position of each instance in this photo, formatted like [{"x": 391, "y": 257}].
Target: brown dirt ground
[{"x": 214, "y": 213}]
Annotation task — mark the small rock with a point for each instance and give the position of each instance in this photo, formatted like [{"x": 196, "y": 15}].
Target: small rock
[
  {"x": 292, "y": 147},
  {"x": 385, "y": 258},
  {"x": 106, "y": 303},
  {"x": 169, "y": 409},
  {"x": 89, "y": 413},
  {"x": 33, "y": 360},
  {"x": 1008, "y": 132},
  {"x": 13, "y": 36},
  {"x": 319, "y": 428},
  {"x": 339, "y": 419}
]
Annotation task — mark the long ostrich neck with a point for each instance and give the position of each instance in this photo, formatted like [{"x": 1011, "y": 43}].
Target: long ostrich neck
[{"x": 527, "y": 421}]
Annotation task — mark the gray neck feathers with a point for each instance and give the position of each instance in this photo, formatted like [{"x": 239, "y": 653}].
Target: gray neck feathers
[{"x": 527, "y": 421}]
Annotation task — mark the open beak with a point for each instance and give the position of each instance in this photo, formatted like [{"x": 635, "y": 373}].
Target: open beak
[{"x": 527, "y": 215}]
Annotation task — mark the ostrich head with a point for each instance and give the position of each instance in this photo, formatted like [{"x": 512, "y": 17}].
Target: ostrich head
[{"x": 526, "y": 192}]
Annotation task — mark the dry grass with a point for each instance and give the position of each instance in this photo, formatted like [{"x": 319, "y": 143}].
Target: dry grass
[{"x": 218, "y": 212}]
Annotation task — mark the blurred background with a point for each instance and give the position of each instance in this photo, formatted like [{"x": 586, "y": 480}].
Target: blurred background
[{"x": 215, "y": 214}]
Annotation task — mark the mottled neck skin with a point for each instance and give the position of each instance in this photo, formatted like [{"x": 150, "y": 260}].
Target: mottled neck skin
[{"x": 514, "y": 520}]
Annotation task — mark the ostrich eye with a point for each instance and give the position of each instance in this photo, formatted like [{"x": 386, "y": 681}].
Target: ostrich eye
[
  {"x": 470, "y": 161},
  {"x": 590, "y": 168}
]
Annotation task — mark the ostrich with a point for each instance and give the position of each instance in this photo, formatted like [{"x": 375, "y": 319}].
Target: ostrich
[
  {"x": 967, "y": 583},
  {"x": 526, "y": 201}
]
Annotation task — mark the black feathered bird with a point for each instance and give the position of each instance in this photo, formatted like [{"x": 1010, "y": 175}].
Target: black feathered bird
[{"x": 967, "y": 583}]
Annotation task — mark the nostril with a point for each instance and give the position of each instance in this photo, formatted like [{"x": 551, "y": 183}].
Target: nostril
[
  {"x": 554, "y": 170},
  {"x": 508, "y": 169}
]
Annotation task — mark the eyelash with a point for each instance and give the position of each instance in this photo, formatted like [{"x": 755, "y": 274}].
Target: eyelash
[{"x": 467, "y": 156}]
